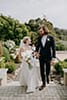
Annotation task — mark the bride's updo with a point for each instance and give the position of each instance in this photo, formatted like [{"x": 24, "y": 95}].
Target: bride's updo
[{"x": 25, "y": 39}]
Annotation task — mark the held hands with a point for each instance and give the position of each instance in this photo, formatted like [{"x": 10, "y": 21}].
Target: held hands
[{"x": 36, "y": 54}]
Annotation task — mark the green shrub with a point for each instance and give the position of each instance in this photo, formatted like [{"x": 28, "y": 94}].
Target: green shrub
[
  {"x": 2, "y": 62},
  {"x": 60, "y": 46},
  {"x": 9, "y": 44},
  {"x": 6, "y": 54},
  {"x": 64, "y": 64},
  {"x": 11, "y": 66},
  {"x": 58, "y": 68},
  {"x": 65, "y": 60}
]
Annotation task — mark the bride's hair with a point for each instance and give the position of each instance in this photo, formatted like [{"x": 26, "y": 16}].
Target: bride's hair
[{"x": 25, "y": 39}]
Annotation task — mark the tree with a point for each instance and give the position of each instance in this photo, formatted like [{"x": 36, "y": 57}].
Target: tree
[{"x": 11, "y": 29}]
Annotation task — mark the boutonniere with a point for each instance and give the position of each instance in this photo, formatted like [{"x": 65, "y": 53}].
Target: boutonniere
[{"x": 48, "y": 39}]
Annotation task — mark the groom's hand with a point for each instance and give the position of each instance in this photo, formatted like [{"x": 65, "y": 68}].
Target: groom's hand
[{"x": 37, "y": 55}]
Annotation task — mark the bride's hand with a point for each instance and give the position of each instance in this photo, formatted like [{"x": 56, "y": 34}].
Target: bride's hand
[{"x": 36, "y": 54}]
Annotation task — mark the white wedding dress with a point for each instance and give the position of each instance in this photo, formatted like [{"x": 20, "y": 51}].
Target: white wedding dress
[{"x": 28, "y": 76}]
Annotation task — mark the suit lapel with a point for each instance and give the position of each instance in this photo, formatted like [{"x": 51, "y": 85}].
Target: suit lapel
[
  {"x": 47, "y": 39},
  {"x": 45, "y": 43}
]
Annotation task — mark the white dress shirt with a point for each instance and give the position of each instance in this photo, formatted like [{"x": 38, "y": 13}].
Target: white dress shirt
[{"x": 43, "y": 40}]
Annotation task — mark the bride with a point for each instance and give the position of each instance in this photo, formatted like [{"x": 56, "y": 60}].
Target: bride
[{"x": 28, "y": 74}]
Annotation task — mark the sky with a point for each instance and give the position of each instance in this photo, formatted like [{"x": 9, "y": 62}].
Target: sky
[{"x": 24, "y": 10}]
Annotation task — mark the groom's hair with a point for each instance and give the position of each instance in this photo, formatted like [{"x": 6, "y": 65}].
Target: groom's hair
[{"x": 45, "y": 28}]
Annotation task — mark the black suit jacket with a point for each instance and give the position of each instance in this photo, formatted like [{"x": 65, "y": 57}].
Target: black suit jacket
[{"x": 48, "y": 51}]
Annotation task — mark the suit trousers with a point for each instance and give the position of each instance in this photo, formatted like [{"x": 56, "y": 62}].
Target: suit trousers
[{"x": 45, "y": 71}]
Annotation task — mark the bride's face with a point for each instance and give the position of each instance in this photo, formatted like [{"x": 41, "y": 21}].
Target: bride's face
[{"x": 28, "y": 41}]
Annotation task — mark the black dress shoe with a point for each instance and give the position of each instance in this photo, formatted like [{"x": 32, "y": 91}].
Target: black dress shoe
[{"x": 42, "y": 87}]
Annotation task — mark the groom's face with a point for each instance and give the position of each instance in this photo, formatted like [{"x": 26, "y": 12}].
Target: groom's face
[{"x": 41, "y": 32}]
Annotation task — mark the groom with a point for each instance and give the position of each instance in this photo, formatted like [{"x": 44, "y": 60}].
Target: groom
[{"x": 45, "y": 51}]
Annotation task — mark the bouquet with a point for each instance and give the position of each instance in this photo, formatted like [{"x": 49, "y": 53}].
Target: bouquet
[{"x": 27, "y": 56}]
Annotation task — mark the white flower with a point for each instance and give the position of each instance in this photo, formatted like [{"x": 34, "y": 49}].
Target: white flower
[
  {"x": 48, "y": 39},
  {"x": 9, "y": 44}
]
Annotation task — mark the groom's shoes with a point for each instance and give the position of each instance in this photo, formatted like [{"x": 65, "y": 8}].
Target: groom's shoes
[
  {"x": 47, "y": 80},
  {"x": 42, "y": 87}
]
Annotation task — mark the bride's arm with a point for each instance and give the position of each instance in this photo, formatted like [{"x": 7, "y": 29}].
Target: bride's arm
[{"x": 20, "y": 52}]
